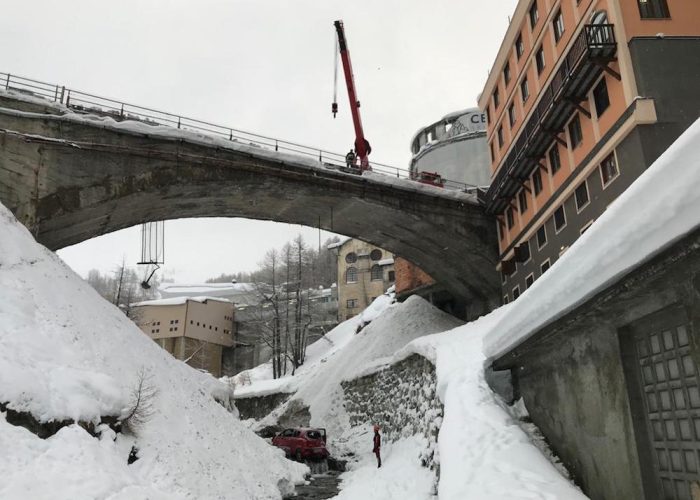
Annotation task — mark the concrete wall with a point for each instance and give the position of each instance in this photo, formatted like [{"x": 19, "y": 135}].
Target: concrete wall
[
  {"x": 572, "y": 378},
  {"x": 401, "y": 399}
]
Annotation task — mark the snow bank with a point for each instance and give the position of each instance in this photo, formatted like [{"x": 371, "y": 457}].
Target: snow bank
[
  {"x": 484, "y": 453},
  {"x": 660, "y": 207},
  {"x": 65, "y": 353}
]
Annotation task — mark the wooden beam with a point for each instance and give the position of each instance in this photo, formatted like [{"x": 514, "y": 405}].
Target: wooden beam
[
  {"x": 580, "y": 108},
  {"x": 543, "y": 167},
  {"x": 560, "y": 140},
  {"x": 522, "y": 183},
  {"x": 609, "y": 70}
]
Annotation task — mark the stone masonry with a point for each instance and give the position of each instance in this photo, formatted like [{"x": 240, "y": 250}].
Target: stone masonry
[{"x": 402, "y": 399}]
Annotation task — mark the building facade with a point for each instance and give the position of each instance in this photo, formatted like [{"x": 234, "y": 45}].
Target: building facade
[
  {"x": 364, "y": 273},
  {"x": 583, "y": 96},
  {"x": 195, "y": 330},
  {"x": 454, "y": 147}
]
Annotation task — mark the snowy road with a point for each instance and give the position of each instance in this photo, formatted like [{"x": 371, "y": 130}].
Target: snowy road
[{"x": 320, "y": 487}]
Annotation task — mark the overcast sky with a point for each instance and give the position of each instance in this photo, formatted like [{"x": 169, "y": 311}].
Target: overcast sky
[{"x": 260, "y": 65}]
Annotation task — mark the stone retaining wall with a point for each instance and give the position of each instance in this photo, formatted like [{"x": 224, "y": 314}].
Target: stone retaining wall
[
  {"x": 402, "y": 399},
  {"x": 259, "y": 406}
]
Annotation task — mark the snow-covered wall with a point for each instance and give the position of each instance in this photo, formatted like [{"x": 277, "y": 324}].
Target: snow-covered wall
[{"x": 401, "y": 399}]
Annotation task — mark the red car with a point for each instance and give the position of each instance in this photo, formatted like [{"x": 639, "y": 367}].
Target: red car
[{"x": 302, "y": 443}]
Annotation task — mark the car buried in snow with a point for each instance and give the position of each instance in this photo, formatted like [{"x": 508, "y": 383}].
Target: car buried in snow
[{"x": 302, "y": 443}]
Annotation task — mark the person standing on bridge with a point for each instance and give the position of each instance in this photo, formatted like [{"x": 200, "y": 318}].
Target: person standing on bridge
[
  {"x": 377, "y": 445},
  {"x": 350, "y": 159}
]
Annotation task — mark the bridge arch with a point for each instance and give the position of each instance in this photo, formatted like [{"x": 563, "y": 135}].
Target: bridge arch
[{"x": 70, "y": 178}]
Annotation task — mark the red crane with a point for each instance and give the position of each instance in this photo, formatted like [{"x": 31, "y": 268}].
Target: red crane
[{"x": 362, "y": 147}]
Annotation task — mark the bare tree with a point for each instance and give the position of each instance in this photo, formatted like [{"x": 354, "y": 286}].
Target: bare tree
[{"x": 142, "y": 403}]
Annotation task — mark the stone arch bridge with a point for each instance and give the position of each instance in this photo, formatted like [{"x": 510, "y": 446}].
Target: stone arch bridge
[{"x": 70, "y": 177}]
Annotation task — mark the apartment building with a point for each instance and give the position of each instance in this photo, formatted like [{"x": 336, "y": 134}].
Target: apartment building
[
  {"x": 583, "y": 96},
  {"x": 196, "y": 330},
  {"x": 364, "y": 273}
]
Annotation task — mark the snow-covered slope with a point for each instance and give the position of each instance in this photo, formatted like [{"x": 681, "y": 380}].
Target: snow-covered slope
[{"x": 65, "y": 353}]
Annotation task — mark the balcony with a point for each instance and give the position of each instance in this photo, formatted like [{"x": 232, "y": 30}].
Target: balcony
[{"x": 590, "y": 54}]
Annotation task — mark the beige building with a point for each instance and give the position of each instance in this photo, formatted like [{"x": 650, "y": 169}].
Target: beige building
[
  {"x": 193, "y": 329},
  {"x": 364, "y": 273}
]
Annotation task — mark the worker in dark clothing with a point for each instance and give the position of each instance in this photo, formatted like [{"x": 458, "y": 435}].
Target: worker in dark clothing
[
  {"x": 350, "y": 159},
  {"x": 377, "y": 446}
]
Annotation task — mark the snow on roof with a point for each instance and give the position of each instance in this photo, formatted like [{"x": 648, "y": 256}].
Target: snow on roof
[
  {"x": 174, "y": 288},
  {"x": 178, "y": 301},
  {"x": 340, "y": 243},
  {"x": 660, "y": 207},
  {"x": 386, "y": 262}
]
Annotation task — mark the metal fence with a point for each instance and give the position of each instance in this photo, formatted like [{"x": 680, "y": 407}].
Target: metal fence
[{"x": 82, "y": 102}]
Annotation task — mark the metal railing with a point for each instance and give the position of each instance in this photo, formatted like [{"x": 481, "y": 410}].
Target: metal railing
[{"x": 82, "y": 102}]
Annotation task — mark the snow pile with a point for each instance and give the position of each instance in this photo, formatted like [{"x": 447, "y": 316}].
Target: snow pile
[
  {"x": 65, "y": 353},
  {"x": 484, "y": 453},
  {"x": 369, "y": 349},
  {"x": 660, "y": 207}
]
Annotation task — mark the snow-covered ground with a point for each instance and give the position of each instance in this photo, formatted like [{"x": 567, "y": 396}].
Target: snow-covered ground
[
  {"x": 484, "y": 453},
  {"x": 65, "y": 353}
]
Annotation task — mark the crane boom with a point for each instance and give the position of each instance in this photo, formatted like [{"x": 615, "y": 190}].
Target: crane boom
[{"x": 362, "y": 147}]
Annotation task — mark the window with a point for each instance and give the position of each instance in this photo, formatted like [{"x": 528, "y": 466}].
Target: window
[
  {"x": 376, "y": 273},
  {"x": 559, "y": 219},
  {"x": 539, "y": 60},
  {"x": 575, "y": 134},
  {"x": 505, "y": 299},
  {"x": 511, "y": 114},
  {"x": 601, "y": 97},
  {"x": 545, "y": 265},
  {"x": 558, "y": 24},
  {"x": 524, "y": 90},
  {"x": 519, "y": 46},
  {"x": 496, "y": 99},
  {"x": 554, "y": 160},
  {"x": 491, "y": 151},
  {"x": 510, "y": 217},
  {"x": 653, "y": 9},
  {"x": 516, "y": 292},
  {"x": 608, "y": 169},
  {"x": 351, "y": 258},
  {"x": 351, "y": 303},
  {"x": 177, "y": 321},
  {"x": 522, "y": 252},
  {"x": 191, "y": 322},
  {"x": 501, "y": 230},
  {"x": 488, "y": 114},
  {"x": 582, "y": 196},
  {"x": 392, "y": 276},
  {"x": 534, "y": 14},
  {"x": 500, "y": 136},
  {"x": 529, "y": 280},
  {"x": 506, "y": 73},
  {"x": 351, "y": 275},
  {"x": 537, "y": 181},
  {"x": 522, "y": 200},
  {"x": 503, "y": 276},
  {"x": 541, "y": 237}
]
